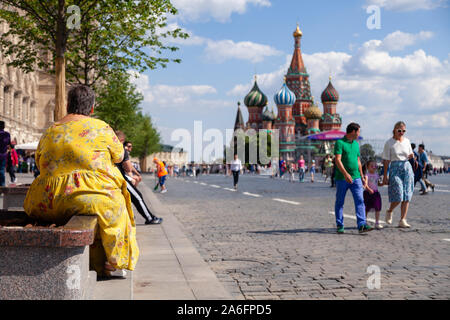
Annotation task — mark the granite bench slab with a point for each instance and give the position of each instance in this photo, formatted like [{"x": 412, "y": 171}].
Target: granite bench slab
[{"x": 45, "y": 262}]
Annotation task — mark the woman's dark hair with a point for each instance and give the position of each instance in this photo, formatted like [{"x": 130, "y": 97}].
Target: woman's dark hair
[
  {"x": 80, "y": 100},
  {"x": 352, "y": 127}
]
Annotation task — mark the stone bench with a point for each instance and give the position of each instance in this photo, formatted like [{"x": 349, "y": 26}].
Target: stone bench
[
  {"x": 39, "y": 262},
  {"x": 14, "y": 196}
]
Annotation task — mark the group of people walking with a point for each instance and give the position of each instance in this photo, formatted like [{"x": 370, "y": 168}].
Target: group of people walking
[{"x": 397, "y": 154}]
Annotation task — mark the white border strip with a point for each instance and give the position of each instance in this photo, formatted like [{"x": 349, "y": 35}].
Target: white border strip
[
  {"x": 286, "y": 201},
  {"x": 251, "y": 194}
]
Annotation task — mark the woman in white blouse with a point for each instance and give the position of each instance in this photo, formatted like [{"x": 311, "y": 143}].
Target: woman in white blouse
[{"x": 397, "y": 152}]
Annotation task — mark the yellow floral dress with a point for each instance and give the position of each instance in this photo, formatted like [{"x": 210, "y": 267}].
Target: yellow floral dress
[{"x": 78, "y": 176}]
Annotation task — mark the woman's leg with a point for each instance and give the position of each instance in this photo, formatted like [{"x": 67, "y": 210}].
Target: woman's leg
[
  {"x": 393, "y": 206},
  {"x": 404, "y": 209}
]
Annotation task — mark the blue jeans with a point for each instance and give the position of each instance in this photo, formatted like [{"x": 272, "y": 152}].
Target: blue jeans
[
  {"x": 301, "y": 174},
  {"x": 2, "y": 172},
  {"x": 357, "y": 191}
]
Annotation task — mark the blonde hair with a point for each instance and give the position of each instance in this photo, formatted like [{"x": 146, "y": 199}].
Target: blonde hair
[{"x": 397, "y": 125}]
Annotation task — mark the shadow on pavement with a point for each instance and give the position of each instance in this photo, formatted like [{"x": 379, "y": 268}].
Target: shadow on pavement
[{"x": 310, "y": 230}]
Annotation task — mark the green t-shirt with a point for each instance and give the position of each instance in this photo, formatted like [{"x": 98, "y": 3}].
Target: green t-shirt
[{"x": 350, "y": 153}]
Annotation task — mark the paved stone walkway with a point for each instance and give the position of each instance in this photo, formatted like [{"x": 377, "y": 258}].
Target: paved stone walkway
[{"x": 273, "y": 239}]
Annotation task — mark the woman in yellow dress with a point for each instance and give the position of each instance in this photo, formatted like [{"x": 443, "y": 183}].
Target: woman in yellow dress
[{"x": 76, "y": 157}]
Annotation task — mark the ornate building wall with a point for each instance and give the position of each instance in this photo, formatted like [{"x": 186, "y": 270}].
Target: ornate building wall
[{"x": 26, "y": 100}]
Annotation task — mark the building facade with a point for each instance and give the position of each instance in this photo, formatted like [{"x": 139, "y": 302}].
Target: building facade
[{"x": 26, "y": 100}]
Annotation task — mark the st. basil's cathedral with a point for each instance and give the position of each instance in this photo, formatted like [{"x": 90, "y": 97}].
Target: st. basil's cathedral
[{"x": 298, "y": 114}]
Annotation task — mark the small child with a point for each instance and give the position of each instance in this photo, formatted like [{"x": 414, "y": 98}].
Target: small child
[
  {"x": 291, "y": 172},
  {"x": 372, "y": 198}
]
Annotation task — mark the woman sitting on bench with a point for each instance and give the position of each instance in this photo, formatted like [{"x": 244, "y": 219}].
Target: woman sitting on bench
[{"x": 76, "y": 157}]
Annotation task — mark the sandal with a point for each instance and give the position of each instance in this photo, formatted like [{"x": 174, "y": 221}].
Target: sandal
[{"x": 112, "y": 272}]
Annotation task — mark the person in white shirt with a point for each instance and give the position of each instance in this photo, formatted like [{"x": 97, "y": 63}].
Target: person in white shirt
[
  {"x": 236, "y": 167},
  {"x": 397, "y": 151}
]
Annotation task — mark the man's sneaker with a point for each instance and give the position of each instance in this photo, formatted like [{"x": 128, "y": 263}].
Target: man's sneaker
[
  {"x": 378, "y": 226},
  {"x": 164, "y": 191},
  {"x": 432, "y": 187},
  {"x": 340, "y": 229},
  {"x": 423, "y": 192},
  {"x": 389, "y": 217},
  {"x": 403, "y": 224},
  {"x": 155, "y": 220},
  {"x": 365, "y": 228}
]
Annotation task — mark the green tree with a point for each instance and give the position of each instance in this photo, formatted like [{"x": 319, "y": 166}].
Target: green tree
[
  {"x": 118, "y": 105},
  {"x": 146, "y": 139},
  {"x": 366, "y": 152},
  {"x": 99, "y": 36},
  {"x": 118, "y": 102}
]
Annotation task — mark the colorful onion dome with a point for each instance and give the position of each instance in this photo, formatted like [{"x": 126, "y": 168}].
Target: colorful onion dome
[
  {"x": 313, "y": 112},
  {"x": 255, "y": 98},
  {"x": 274, "y": 115},
  {"x": 329, "y": 94},
  {"x": 285, "y": 96},
  {"x": 298, "y": 32},
  {"x": 267, "y": 115}
]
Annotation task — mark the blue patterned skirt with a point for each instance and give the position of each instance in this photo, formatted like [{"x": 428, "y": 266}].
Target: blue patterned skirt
[{"x": 401, "y": 181}]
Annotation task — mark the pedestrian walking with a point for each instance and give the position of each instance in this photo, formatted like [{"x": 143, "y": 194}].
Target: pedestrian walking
[
  {"x": 236, "y": 167},
  {"x": 162, "y": 173},
  {"x": 333, "y": 172},
  {"x": 301, "y": 169},
  {"x": 425, "y": 163},
  {"x": 12, "y": 163},
  {"x": 328, "y": 166},
  {"x": 349, "y": 175},
  {"x": 312, "y": 170},
  {"x": 418, "y": 170},
  {"x": 372, "y": 198},
  {"x": 282, "y": 166},
  {"x": 5, "y": 141},
  {"x": 397, "y": 151}
]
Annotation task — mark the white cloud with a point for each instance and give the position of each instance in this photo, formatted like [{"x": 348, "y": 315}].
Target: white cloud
[
  {"x": 408, "y": 5},
  {"x": 372, "y": 58},
  {"x": 220, "y": 51},
  {"x": 399, "y": 40},
  {"x": 169, "y": 96},
  {"x": 192, "y": 40},
  {"x": 220, "y": 10}
]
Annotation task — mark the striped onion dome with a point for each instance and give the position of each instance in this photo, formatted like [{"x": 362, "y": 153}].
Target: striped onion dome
[
  {"x": 329, "y": 94},
  {"x": 313, "y": 112},
  {"x": 284, "y": 96},
  {"x": 255, "y": 98}
]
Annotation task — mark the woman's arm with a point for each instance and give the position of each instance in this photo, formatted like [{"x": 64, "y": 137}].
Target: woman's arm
[{"x": 386, "y": 166}]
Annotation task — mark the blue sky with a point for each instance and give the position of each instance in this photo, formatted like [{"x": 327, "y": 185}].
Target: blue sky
[{"x": 398, "y": 72}]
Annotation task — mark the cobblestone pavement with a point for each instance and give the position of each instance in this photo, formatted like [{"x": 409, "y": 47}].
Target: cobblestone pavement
[{"x": 273, "y": 239}]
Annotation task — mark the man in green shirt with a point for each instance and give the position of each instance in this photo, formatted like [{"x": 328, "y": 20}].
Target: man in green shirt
[{"x": 349, "y": 175}]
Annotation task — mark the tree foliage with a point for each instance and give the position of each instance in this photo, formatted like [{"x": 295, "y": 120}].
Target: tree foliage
[
  {"x": 112, "y": 35},
  {"x": 118, "y": 105},
  {"x": 367, "y": 153}
]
